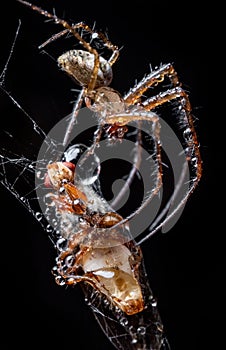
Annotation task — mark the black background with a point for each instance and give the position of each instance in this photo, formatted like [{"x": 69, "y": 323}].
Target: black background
[{"x": 186, "y": 266}]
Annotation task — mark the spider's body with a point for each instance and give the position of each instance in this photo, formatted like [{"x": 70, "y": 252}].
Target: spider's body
[
  {"x": 104, "y": 100},
  {"x": 79, "y": 64},
  {"x": 93, "y": 72}
]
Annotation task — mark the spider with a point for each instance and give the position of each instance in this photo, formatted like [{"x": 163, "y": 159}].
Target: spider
[
  {"x": 94, "y": 74},
  {"x": 112, "y": 266}
]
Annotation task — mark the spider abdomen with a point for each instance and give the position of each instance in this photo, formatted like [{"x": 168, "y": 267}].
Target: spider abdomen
[{"x": 80, "y": 64}]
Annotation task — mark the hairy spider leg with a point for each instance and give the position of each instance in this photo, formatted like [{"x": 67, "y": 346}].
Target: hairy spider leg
[
  {"x": 192, "y": 151},
  {"x": 191, "y": 137},
  {"x": 102, "y": 37},
  {"x": 134, "y": 96},
  {"x": 185, "y": 115},
  {"x": 143, "y": 115},
  {"x": 134, "y": 169},
  {"x": 73, "y": 29},
  {"x": 155, "y": 77},
  {"x": 185, "y": 118}
]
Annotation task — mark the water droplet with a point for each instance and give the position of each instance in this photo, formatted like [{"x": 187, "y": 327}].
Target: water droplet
[
  {"x": 123, "y": 321},
  {"x": 69, "y": 260},
  {"x": 159, "y": 326},
  {"x": 47, "y": 211},
  {"x": 54, "y": 270},
  {"x": 54, "y": 222},
  {"x": 117, "y": 310},
  {"x": 38, "y": 216},
  {"x": 141, "y": 330},
  {"x": 48, "y": 199},
  {"x": 61, "y": 244},
  {"x": 38, "y": 174},
  {"x": 60, "y": 281},
  {"x": 153, "y": 302},
  {"x": 187, "y": 131},
  {"x": 70, "y": 280},
  {"x": 49, "y": 229},
  {"x": 131, "y": 329},
  {"x": 62, "y": 190}
]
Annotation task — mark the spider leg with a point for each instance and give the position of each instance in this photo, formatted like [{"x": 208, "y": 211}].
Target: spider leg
[
  {"x": 96, "y": 140},
  {"x": 191, "y": 151},
  {"x": 73, "y": 117},
  {"x": 185, "y": 116},
  {"x": 152, "y": 79},
  {"x": 191, "y": 148},
  {"x": 141, "y": 115},
  {"x": 133, "y": 171},
  {"x": 107, "y": 43},
  {"x": 185, "y": 120},
  {"x": 72, "y": 29},
  {"x": 53, "y": 38},
  {"x": 87, "y": 46}
]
